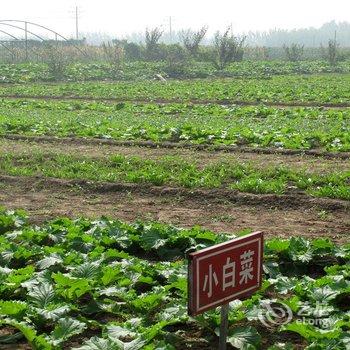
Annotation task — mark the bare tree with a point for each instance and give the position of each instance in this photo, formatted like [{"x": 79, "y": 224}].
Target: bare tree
[
  {"x": 227, "y": 49},
  {"x": 294, "y": 52},
  {"x": 332, "y": 52},
  {"x": 114, "y": 55},
  {"x": 191, "y": 40},
  {"x": 152, "y": 37},
  {"x": 56, "y": 60}
]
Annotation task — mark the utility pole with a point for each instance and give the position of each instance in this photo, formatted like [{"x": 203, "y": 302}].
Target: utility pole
[
  {"x": 170, "y": 30},
  {"x": 76, "y": 23}
]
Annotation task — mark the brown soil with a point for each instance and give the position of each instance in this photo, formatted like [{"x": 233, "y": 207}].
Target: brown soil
[
  {"x": 178, "y": 145},
  {"x": 91, "y": 148},
  {"x": 281, "y": 104},
  {"x": 220, "y": 211},
  {"x": 21, "y": 344}
]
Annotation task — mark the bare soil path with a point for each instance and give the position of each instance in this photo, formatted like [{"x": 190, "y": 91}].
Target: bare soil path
[
  {"x": 90, "y": 148},
  {"x": 177, "y": 145},
  {"x": 49, "y": 198}
]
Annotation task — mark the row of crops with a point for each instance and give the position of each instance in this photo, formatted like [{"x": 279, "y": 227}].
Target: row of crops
[
  {"x": 259, "y": 126},
  {"x": 318, "y": 89},
  {"x": 21, "y": 73},
  {"x": 110, "y": 285},
  {"x": 180, "y": 173}
]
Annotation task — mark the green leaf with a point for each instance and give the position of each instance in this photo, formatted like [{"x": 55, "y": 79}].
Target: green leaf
[
  {"x": 111, "y": 291},
  {"x": 86, "y": 270},
  {"x": 42, "y": 295},
  {"x": 180, "y": 284},
  {"x": 147, "y": 302},
  {"x": 277, "y": 245},
  {"x": 327, "y": 344},
  {"x": 206, "y": 236},
  {"x": 49, "y": 261},
  {"x": 152, "y": 239},
  {"x": 36, "y": 342},
  {"x": 136, "y": 344},
  {"x": 283, "y": 284},
  {"x": 23, "y": 327},
  {"x": 323, "y": 294},
  {"x": 96, "y": 343},
  {"x": 174, "y": 313},
  {"x": 12, "y": 308},
  {"x": 243, "y": 337},
  {"x": 53, "y": 312},
  {"x": 300, "y": 250},
  {"x": 110, "y": 274},
  {"x": 309, "y": 332},
  {"x": 66, "y": 328},
  {"x": 119, "y": 235},
  {"x": 16, "y": 277},
  {"x": 293, "y": 303},
  {"x": 323, "y": 245},
  {"x": 271, "y": 268},
  {"x": 117, "y": 332},
  {"x": 71, "y": 288}
]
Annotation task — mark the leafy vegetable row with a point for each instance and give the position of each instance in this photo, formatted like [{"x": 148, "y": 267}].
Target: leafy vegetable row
[
  {"x": 78, "y": 71},
  {"x": 175, "y": 171},
  {"x": 334, "y": 88},
  {"x": 296, "y": 128}
]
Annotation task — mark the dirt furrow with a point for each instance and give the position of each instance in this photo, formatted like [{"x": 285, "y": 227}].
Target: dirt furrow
[
  {"x": 239, "y": 151},
  {"x": 217, "y": 210}
]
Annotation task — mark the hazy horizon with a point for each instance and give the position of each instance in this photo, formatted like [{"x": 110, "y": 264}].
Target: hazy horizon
[{"x": 134, "y": 16}]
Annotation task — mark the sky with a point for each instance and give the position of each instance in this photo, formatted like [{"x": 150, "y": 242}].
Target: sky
[{"x": 120, "y": 18}]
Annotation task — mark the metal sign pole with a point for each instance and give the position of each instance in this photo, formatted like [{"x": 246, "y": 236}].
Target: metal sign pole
[
  {"x": 212, "y": 276},
  {"x": 223, "y": 326}
]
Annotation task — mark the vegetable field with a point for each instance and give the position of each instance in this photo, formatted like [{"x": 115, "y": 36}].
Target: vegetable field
[
  {"x": 110, "y": 285},
  {"x": 316, "y": 90},
  {"x": 106, "y": 186},
  {"x": 141, "y": 70},
  {"x": 258, "y": 126}
]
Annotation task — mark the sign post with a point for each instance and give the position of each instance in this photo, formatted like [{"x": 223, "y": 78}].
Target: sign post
[
  {"x": 222, "y": 273},
  {"x": 223, "y": 327}
]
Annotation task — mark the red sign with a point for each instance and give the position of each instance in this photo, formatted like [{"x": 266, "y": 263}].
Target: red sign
[{"x": 224, "y": 272}]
